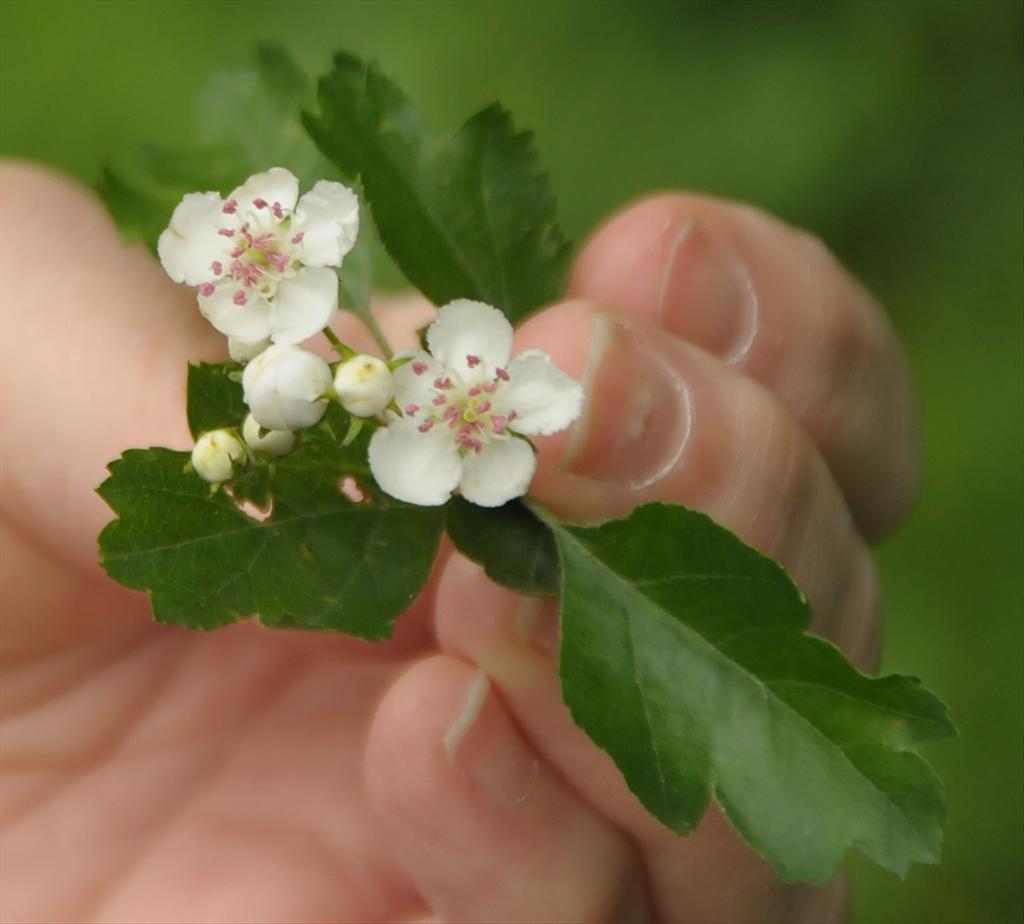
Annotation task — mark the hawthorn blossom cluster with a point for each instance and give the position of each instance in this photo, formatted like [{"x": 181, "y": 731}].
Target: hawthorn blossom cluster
[{"x": 453, "y": 417}]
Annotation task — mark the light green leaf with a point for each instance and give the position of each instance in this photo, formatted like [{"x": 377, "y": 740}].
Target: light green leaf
[
  {"x": 684, "y": 655},
  {"x": 473, "y": 218}
]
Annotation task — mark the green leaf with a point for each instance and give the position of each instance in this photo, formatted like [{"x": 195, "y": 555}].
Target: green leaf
[
  {"x": 515, "y": 548},
  {"x": 684, "y": 655},
  {"x": 214, "y": 401},
  {"x": 319, "y": 561},
  {"x": 472, "y": 218}
]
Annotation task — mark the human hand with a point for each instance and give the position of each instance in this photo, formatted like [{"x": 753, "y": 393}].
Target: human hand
[{"x": 153, "y": 773}]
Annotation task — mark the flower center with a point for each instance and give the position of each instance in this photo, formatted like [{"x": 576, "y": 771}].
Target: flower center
[
  {"x": 262, "y": 253},
  {"x": 475, "y": 414}
]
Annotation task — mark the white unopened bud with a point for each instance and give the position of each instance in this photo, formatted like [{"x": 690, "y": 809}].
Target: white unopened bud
[
  {"x": 365, "y": 385},
  {"x": 283, "y": 387},
  {"x": 214, "y": 455},
  {"x": 272, "y": 443},
  {"x": 241, "y": 351}
]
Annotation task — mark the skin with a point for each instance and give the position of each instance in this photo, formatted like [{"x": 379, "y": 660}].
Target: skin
[{"x": 157, "y": 774}]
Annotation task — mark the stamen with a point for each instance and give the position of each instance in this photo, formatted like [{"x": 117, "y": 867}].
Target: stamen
[
  {"x": 237, "y": 252},
  {"x": 426, "y": 425},
  {"x": 512, "y": 415},
  {"x": 439, "y": 400},
  {"x": 483, "y": 407},
  {"x": 247, "y": 235},
  {"x": 472, "y": 360},
  {"x": 225, "y": 232},
  {"x": 474, "y": 391},
  {"x": 217, "y": 267},
  {"x": 502, "y": 374},
  {"x": 411, "y": 409},
  {"x": 263, "y": 241},
  {"x": 230, "y": 207},
  {"x": 498, "y": 423},
  {"x": 240, "y": 297},
  {"x": 444, "y": 383},
  {"x": 278, "y": 260},
  {"x": 491, "y": 387},
  {"x": 206, "y": 289},
  {"x": 260, "y": 203},
  {"x": 278, "y": 212},
  {"x": 419, "y": 368},
  {"x": 297, "y": 239}
]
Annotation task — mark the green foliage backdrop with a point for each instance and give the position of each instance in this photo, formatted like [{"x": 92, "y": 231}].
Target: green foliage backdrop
[{"x": 892, "y": 129}]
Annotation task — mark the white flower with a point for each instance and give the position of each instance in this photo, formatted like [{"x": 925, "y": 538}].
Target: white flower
[
  {"x": 462, "y": 405},
  {"x": 241, "y": 351},
  {"x": 284, "y": 386},
  {"x": 214, "y": 455},
  {"x": 272, "y": 443},
  {"x": 364, "y": 385},
  {"x": 261, "y": 259}
]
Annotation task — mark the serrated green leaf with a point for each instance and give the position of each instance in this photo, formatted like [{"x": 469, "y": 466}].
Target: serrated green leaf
[
  {"x": 515, "y": 548},
  {"x": 319, "y": 561},
  {"x": 473, "y": 218},
  {"x": 684, "y": 655},
  {"x": 214, "y": 400}
]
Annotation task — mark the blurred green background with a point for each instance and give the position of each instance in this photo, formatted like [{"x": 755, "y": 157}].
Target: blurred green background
[{"x": 892, "y": 129}]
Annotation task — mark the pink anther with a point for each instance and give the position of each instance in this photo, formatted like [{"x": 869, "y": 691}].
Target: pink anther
[
  {"x": 278, "y": 211},
  {"x": 240, "y": 297},
  {"x": 217, "y": 267},
  {"x": 491, "y": 387},
  {"x": 225, "y": 232},
  {"x": 474, "y": 391},
  {"x": 502, "y": 374},
  {"x": 483, "y": 407},
  {"x": 472, "y": 360},
  {"x": 498, "y": 423},
  {"x": 512, "y": 415},
  {"x": 278, "y": 260},
  {"x": 260, "y": 203},
  {"x": 411, "y": 409},
  {"x": 206, "y": 289},
  {"x": 426, "y": 425},
  {"x": 237, "y": 252},
  {"x": 263, "y": 241},
  {"x": 230, "y": 207},
  {"x": 419, "y": 367},
  {"x": 439, "y": 400},
  {"x": 297, "y": 239}
]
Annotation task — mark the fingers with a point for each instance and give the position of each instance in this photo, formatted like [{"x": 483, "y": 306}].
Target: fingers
[
  {"x": 484, "y": 827},
  {"x": 775, "y": 303},
  {"x": 666, "y": 421}
]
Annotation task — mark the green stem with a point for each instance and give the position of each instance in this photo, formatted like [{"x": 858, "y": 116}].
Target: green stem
[
  {"x": 342, "y": 349},
  {"x": 366, "y": 316}
]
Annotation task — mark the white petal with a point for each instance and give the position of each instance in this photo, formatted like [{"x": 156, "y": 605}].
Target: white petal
[
  {"x": 191, "y": 243},
  {"x": 272, "y": 443},
  {"x": 545, "y": 399},
  {"x": 501, "y": 471},
  {"x": 364, "y": 385},
  {"x": 328, "y": 218},
  {"x": 418, "y": 468},
  {"x": 274, "y": 185},
  {"x": 249, "y": 322},
  {"x": 241, "y": 351},
  {"x": 304, "y": 305},
  {"x": 463, "y": 328},
  {"x": 414, "y": 381}
]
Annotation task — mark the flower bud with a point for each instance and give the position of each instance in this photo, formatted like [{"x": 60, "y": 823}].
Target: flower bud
[
  {"x": 241, "y": 351},
  {"x": 283, "y": 387},
  {"x": 364, "y": 384},
  {"x": 272, "y": 443},
  {"x": 214, "y": 455}
]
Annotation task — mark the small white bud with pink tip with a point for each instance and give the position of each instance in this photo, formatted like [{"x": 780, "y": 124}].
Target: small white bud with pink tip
[
  {"x": 284, "y": 387},
  {"x": 364, "y": 385},
  {"x": 215, "y": 454},
  {"x": 271, "y": 443}
]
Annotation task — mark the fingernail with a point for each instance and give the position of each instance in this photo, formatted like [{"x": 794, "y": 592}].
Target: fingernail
[
  {"x": 490, "y": 754},
  {"x": 706, "y": 294},
  {"x": 637, "y": 418},
  {"x": 536, "y": 624}
]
